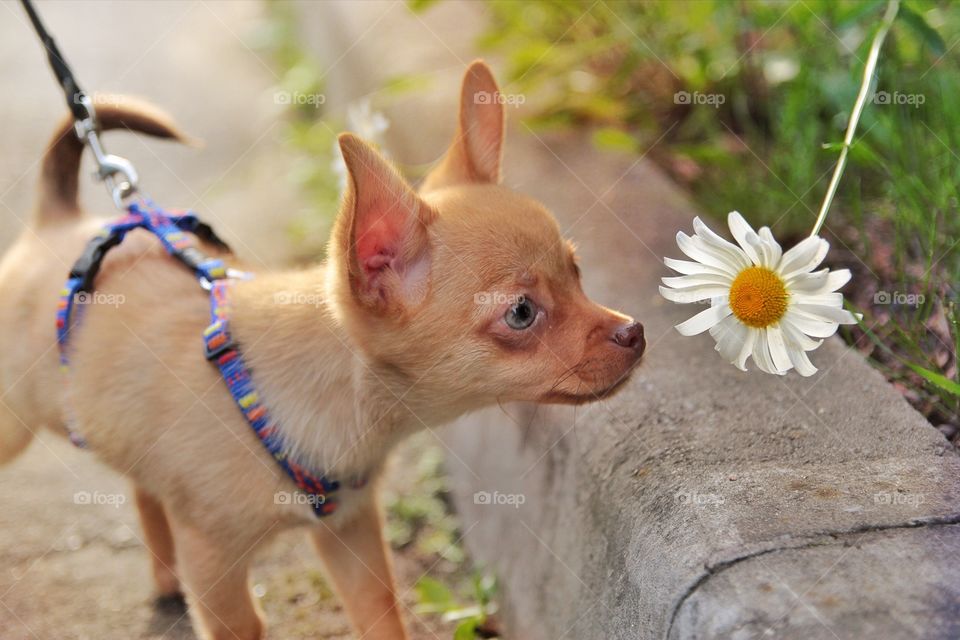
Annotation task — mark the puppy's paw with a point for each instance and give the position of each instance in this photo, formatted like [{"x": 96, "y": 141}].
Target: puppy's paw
[{"x": 170, "y": 604}]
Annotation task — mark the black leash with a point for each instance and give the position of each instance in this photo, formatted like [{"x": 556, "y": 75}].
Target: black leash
[
  {"x": 61, "y": 69},
  {"x": 118, "y": 173}
]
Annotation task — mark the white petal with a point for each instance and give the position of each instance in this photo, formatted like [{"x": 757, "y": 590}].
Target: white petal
[
  {"x": 778, "y": 349},
  {"x": 804, "y": 257},
  {"x": 689, "y": 267},
  {"x": 746, "y": 237},
  {"x": 825, "y": 299},
  {"x": 679, "y": 282},
  {"x": 817, "y": 282},
  {"x": 704, "y": 320},
  {"x": 830, "y": 314},
  {"x": 732, "y": 251},
  {"x": 801, "y": 362},
  {"x": 730, "y": 335},
  {"x": 701, "y": 252},
  {"x": 811, "y": 325},
  {"x": 761, "y": 353},
  {"x": 814, "y": 282},
  {"x": 795, "y": 337},
  {"x": 747, "y": 349},
  {"x": 694, "y": 294},
  {"x": 837, "y": 279},
  {"x": 771, "y": 248},
  {"x": 721, "y": 326},
  {"x": 758, "y": 249}
]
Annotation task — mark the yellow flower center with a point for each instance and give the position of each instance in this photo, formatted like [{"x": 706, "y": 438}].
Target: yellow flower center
[{"x": 758, "y": 297}]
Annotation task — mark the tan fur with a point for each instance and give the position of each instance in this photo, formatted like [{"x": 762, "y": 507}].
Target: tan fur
[{"x": 402, "y": 328}]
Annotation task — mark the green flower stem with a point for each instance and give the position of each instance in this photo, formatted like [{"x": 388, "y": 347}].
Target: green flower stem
[{"x": 892, "y": 7}]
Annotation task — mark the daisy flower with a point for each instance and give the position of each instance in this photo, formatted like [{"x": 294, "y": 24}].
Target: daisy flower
[{"x": 764, "y": 303}]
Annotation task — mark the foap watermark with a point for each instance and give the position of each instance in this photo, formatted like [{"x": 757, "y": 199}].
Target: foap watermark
[
  {"x": 510, "y": 99},
  {"x": 683, "y": 297},
  {"x": 114, "y": 500},
  {"x": 103, "y": 99},
  {"x": 299, "y": 497},
  {"x": 697, "y": 97},
  {"x": 496, "y": 498},
  {"x": 299, "y": 98},
  {"x": 497, "y": 297},
  {"x": 298, "y": 298},
  {"x": 697, "y": 499},
  {"x": 912, "y": 500},
  {"x": 899, "y": 298},
  {"x": 912, "y": 99},
  {"x": 98, "y": 297}
]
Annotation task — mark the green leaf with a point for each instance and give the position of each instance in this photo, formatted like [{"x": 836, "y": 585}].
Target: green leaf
[
  {"x": 860, "y": 152},
  {"x": 614, "y": 139},
  {"x": 420, "y": 5},
  {"x": 484, "y": 587},
  {"x": 937, "y": 379},
  {"x": 434, "y": 596},
  {"x": 921, "y": 28},
  {"x": 466, "y": 630},
  {"x": 852, "y": 14}
]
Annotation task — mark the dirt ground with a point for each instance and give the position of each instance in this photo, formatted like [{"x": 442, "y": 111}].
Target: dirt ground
[{"x": 74, "y": 566}]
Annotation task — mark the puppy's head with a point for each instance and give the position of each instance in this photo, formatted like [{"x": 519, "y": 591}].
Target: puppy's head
[{"x": 467, "y": 290}]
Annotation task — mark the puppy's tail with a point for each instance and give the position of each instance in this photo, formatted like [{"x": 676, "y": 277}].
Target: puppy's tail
[{"x": 59, "y": 176}]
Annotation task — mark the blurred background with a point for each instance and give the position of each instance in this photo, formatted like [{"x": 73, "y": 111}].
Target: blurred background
[{"x": 743, "y": 103}]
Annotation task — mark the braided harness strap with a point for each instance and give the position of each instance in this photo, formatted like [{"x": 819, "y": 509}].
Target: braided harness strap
[
  {"x": 221, "y": 350},
  {"x": 175, "y": 233}
]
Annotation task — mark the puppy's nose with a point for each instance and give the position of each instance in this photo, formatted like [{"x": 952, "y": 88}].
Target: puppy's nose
[{"x": 630, "y": 336}]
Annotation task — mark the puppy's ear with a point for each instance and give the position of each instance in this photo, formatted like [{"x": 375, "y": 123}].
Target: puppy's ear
[
  {"x": 380, "y": 239},
  {"x": 477, "y": 147}
]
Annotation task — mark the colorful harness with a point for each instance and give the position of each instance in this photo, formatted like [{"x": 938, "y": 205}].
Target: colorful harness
[{"x": 174, "y": 232}]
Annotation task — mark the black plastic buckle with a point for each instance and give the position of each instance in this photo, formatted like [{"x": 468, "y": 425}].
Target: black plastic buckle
[
  {"x": 204, "y": 232},
  {"x": 88, "y": 264}
]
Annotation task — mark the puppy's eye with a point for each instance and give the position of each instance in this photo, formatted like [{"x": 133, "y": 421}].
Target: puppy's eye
[{"x": 521, "y": 314}]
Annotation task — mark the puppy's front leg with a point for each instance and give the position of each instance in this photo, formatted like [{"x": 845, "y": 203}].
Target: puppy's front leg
[
  {"x": 159, "y": 541},
  {"x": 214, "y": 571},
  {"x": 357, "y": 561}
]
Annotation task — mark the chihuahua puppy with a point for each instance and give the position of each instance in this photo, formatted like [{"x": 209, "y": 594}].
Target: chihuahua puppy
[{"x": 429, "y": 305}]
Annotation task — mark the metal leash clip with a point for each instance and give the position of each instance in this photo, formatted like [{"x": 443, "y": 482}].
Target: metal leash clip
[{"x": 118, "y": 173}]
